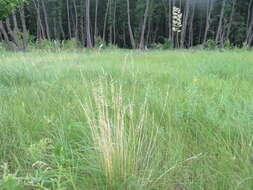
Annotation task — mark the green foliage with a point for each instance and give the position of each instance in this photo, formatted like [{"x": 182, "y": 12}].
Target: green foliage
[
  {"x": 168, "y": 44},
  {"x": 8, "y": 46},
  {"x": 9, "y": 181},
  {"x": 71, "y": 44},
  {"x": 99, "y": 41},
  {"x": 228, "y": 44},
  {"x": 31, "y": 38},
  {"x": 157, "y": 46},
  {"x": 210, "y": 44},
  {"x": 198, "y": 47},
  {"x": 46, "y": 44},
  {"x": 112, "y": 46},
  {"x": 115, "y": 25},
  {"x": 6, "y": 6},
  {"x": 164, "y": 45},
  {"x": 56, "y": 45},
  {"x": 165, "y": 120},
  {"x": 1, "y": 46}
]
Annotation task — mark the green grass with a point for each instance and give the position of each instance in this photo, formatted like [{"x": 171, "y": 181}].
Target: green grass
[{"x": 176, "y": 120}]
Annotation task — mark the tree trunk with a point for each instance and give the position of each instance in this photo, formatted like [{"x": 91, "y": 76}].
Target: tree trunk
[
  {"x": 14, "y": 17},
  {"x": 88, "y": 32},
  {"x": 129, "y": 26},
  {"x": 250, "y": 39},
  {"x": 76, "y": 19},
  {"x": 149, "y": 29},
  {"x": 155, "y": 33},
  {"x": 200, "y": 30},
  {"x": 190, "y": 43},
  {"x": 46, "y": 19},
  {"x": 82, "y": 24},
  {"x": 219, "y": 30},
  {"x": 249, "y": 35},
  {"x": 143, "y": 28},
  {"x": 13, "y": 34},
  {"x": 40, "y": 28},
  {"x": 96, "y": 21},
  {"x": 61, "y": 26},
  {"x": 3, "y": 31},
  {"x": 167, "y": 17},
  {"x": 69, "y": 22},
  {"x": 208, "y": 17},
  {"x": 1, "y": 37},
  {"x": 185, "y": 21},
  {"x": 114, "y": 21},
  {"x": 124, "y": 38},
  {"x": 230, "y": 20},
  {"x": 110, "y": 23},
  {"x": 24, "y": 29},
  {"x": 105, "y": 20},
  {"x": 249, "y": 13}
]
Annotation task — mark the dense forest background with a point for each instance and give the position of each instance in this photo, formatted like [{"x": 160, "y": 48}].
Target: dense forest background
[{"x": 128, "y": 23}]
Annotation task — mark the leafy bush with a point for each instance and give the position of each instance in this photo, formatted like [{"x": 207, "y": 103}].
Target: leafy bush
[
  {"x": 168, "y": 44},
  {"x": 228, "y": 44},
  {"x": 198, "y": 47},
  {"x": 1, "y": 46},
  {"x": 163, "y": 45},
  {"x": 8, "y": 46},
  {"x": 99, "y": 41},
  {"x": 156, "y": 46},
  {"x": 56, "y": 45},
  {"x": 112, "y": 46},
  {"x": 210, "y": 44},
  {"x": 44, "y": 44},
  {"x": 71, "y": 44}
]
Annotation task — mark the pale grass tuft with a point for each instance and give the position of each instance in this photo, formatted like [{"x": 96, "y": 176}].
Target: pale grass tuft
[{"x": 124, "y": 144}]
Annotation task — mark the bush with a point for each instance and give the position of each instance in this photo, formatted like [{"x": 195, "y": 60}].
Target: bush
[
  {"x": 165, "y": 44},
  {"x": 8, "y": 46},
  {"x": 210, "y": 44},
  {"x": 198, "y": 47},
  {"x": 44, "y": 44},
  {"x": 112, "y": 46},
  {"x": 71, "y": 44},
  {"x": 99, "y": 41},
  {"x": 56, "y": 45},
  {"x": 168, "y": 44},
  {"x": 228, "y": 44},
  {"x": 1, "y": 46},
  {"x": 156, "y": 46}
]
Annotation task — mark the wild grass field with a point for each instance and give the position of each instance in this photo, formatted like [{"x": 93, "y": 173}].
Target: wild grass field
[{"x": 121, "y": 119}]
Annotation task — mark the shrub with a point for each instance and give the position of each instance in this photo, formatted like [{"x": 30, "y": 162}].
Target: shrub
[
  {"x": 1, "y": 46},
  {"x": 56, "y": 45},
  {"x": 228, "y": 44},
  {"x": 198, "y": 47},
  {"x": 44, "y": 44},
  {"x": 210, "y": 44},
  {"x": 99, "y": 41},
  {"x": 112, "y": 46},
  {"x": 71, "y": 44},
  {"x": 164, "y": 44},
  {"x": 156, "y": 46},
  {"x": 168, "y": 44},
  {"x": 8, "y": 46}
]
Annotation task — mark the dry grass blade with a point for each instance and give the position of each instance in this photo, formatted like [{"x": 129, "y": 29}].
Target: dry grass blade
[{"x": 119, "y": 134}]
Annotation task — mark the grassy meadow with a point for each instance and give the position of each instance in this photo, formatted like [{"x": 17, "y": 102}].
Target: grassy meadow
[{"x": 126, "y": 120}]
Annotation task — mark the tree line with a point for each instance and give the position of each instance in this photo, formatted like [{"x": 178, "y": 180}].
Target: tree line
[{"x": 127, "y": 23}]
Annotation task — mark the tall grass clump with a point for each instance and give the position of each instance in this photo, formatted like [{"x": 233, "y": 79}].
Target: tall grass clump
[{"x": 122, "y": 137}]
